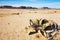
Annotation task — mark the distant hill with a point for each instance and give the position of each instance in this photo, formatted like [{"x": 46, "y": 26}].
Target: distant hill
[
  {"x": 28, "y": 7},
  {"x": 46, "y": 8},
  {"x": 21, "y": 7}
]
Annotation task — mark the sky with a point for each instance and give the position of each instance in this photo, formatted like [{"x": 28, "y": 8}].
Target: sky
[{"x": 33, "y": 3}]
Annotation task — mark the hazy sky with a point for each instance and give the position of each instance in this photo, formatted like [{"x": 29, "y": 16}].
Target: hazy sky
[{"x": 34, "y": 3}]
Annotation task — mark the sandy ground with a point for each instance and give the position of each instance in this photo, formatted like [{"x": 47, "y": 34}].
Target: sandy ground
[{"x": 14, "y": 21}]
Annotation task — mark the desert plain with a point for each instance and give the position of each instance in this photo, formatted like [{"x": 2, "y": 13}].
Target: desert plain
[{"x": 14, "y": 21}]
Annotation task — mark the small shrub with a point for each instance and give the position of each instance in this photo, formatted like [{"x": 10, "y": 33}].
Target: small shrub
[{"x": 54, "y": 11}]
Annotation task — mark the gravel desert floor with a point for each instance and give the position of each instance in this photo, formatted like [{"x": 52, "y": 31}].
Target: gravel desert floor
[{"x": 14, "y": 21}]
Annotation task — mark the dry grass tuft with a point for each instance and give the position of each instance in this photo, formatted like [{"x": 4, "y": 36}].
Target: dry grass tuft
[{"x": 15, "y": 13}]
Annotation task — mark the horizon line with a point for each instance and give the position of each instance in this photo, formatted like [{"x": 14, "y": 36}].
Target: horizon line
[{"x": 28, "y": 6}]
